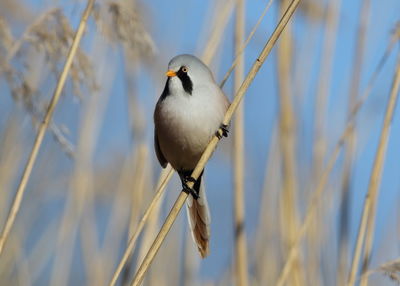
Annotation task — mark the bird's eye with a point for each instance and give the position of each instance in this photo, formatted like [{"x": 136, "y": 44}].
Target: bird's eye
[{"x": 184, "y": 69}]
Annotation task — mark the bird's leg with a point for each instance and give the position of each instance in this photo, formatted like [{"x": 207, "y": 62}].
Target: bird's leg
[
  {"x": 187, "y": 189},
  {"x": 224, "y": 130}
]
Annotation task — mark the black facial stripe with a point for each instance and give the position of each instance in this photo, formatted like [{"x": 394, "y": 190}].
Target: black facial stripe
[
  {"x": 186, "y": 81},
  {"x": 166, "y": 92}
]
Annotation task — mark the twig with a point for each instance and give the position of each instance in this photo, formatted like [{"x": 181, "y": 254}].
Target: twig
[
  {"x": 369, "y": 210},
  {"x": 213, "y": 143},
  {"x": 43, "y": 127},
  {"x": 132, "y": 241},
  {"x": 249, "y": 37},
  {"x": 221, "y": 21},
  {"x": 238, "y": 157}
]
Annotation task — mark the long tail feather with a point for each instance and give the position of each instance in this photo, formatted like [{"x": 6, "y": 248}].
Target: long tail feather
[{"x": 199, "y": 221}]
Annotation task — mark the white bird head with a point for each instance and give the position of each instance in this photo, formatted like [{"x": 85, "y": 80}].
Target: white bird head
[{"x": 186, "y": 72}]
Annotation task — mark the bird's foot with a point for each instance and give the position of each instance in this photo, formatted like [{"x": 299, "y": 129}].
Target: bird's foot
[
  {"x": 188, "y": 189},
  {"x": 224, "y": 130}
]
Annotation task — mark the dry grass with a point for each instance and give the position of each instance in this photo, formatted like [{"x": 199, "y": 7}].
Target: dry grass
[
  {"x": 43, "y": 127},
  {"x": 75, "y": 211},
  {"x": 367, "y": 224},
  {"x": 241, "y": 261}
]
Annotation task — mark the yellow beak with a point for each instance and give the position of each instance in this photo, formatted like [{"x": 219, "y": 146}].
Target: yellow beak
[{"x": 170, "y": 73}]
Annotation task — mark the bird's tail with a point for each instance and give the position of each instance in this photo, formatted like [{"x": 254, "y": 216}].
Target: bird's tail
[{"x": 199, "y": 220}]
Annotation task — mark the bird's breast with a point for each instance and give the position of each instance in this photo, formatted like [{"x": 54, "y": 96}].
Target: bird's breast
[{"x": 185, "y": 125}]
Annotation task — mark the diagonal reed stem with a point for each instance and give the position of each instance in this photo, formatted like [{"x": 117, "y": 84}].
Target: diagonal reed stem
[
  {"x": 369, "y": 209},
  {"x": 132, "y": 241},
  {"x": 43, "y": 127},
  {"x": 213, "y": 143},
  {"x": 249, "y": 37}
]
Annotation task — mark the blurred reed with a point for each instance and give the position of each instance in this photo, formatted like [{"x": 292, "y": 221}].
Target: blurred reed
[
  {"x": 287, "y": 140},
  {"x": 43, "y": 127},
  {"x": 85, "y": 220},
  {"x": 350, "y": 144},
  {"x": 365, "y": 236},
  {"x": 241, "y": 264}
]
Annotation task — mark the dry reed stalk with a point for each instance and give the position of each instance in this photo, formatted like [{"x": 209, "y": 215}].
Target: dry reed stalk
[
  {"x": 161, "y": 271},
  {"x": 287, "y": 137},
  {"x": 82, "y": 179},
  {"x": 120, "y": 210},
  {"x": 240, "y": 239},
  {"x": 90, "y": 244},
  {"x": 213, "y": 143},
  {"x": 249, "y": 37},
  {"x": 151, "y": 230},
  {"x": 19, "y": 260},
  {"x": 265, "y": 253},
  {"x": 43, "y": 39},
  {"x": 390, "y": 269},
  {"x": 138, "y": 183},
  {"x": 286, "y": 133},
  {"x": 331, "y": 162},
  {"x": 221, "y": 21},
  {"x": 89, "y": 240},
  {"x": 16, "y": 46},
  {"x": 324, "y": 83},
  {"x": 121, "y": 22},
  {"x": 190, "y": 263},
  {"x": 332, "y": 15},
  {"x": 139, "y": 180},
  {"x": 43, "y": 127},
  {"x": 310, "y": 212},
  {"x": 303, "y": 69},
  {"x": 367, "y": 223},
  {"x": 350, "y": 144},
  {"x": 41, "y": 251},
  {"x": 165, "y": 176},
  {"x": 10, "y": 156}
]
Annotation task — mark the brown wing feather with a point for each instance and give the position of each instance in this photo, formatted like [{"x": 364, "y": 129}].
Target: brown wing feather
[{"x": 160, "y": 156}]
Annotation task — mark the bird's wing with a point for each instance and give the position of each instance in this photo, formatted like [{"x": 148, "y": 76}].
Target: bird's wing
[{"x": 160, "y": 156}]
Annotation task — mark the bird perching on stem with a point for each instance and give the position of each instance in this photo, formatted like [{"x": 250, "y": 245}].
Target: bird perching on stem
[{"x": 188, "y": 114}]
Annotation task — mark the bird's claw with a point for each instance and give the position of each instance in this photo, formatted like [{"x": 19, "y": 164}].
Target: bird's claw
[
  {"x": 224, "y": 131},
  {"x": 189, "y": 190}
]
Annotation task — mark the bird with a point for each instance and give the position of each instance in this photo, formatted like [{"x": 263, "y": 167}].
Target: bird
[{"x": 187, "y": 115}]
